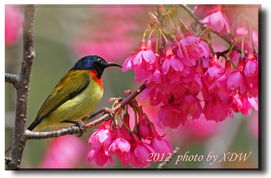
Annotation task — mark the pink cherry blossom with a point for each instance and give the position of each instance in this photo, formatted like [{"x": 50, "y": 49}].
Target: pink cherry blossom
[
  {"x": 170, "y": 115},
  {"x": 203, "y": 10},
  {"x": 100, "y": 141},
  {"x": 121, "y": 147},
  {"x": 100, "y": 155},
  {"x": 157, "y": 142},
  {"x": 140, "y": 155},
  {"x": 215, "y": 82},
  {"x": 127, "y": 143},
  {"x": 236, "y": 81},
  {"x": 219, "y": 89},
  {"x": 215, "y": 70},
  {"x": 144, "y": 129},
  {"x": 192, "y": 49},
  {"x": 155, "y": 94},
  {"x": 242, "y": 104},
  {"x": 217, "y": 21},
  {"x": 103, "y": 135},
  {"x": 123, "y": 130},
  {"x": 251, "y": 68},
  {"x": 235, "y": 55},
  {"x": 251, "y": 74},
  {"x": 253, "y": 102},
  {"x": 191, "y": 107},
  {"x": 171, "y": 62},
  {"x": 145, "y": 55},
  {"x": 222, "y": 110},
  {"x": 242, "y": 32},
  {"x": 161, "y": 145},
  {"x": 141, "y": 63}
]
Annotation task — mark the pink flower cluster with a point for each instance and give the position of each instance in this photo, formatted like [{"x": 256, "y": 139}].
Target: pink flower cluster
[
  {"x": 223, "y": 18},
  {"x": 214, "y": 18},
  {"x": 130, "y": 147},
  {"x": 185, "y": 79},
  {"x": 13, "y": 24}
]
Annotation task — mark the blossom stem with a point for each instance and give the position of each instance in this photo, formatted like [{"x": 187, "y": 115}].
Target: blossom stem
[
  {"x": 170, "y": 20},
  {"x": 144, "y": 34},
  {"x": 232, "y": 47},
  {"x": 150, "y": 34},
  {"x": 157, "y": 43},
  {"x": 182, "y": 23},
  {"x": 135, "y": 115},
  {"x": 205, "y": 31},
  {"x": 163, "y": 35},
  {"x": 243, "y": 50},
  {"x": 125, "y": 125}
]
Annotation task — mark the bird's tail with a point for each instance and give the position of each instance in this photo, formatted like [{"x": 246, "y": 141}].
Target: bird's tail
[
  {"x": 31, "y": 127},
  {"x": 34, "y": 125}
]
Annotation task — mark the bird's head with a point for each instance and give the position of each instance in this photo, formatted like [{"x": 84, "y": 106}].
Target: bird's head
[{"x": 93, "y": 63}]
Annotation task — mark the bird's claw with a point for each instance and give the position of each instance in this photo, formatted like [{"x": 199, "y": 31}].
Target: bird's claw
[
  {"x": 79, "y": 124},
  {"x": 109, "y": 111},
  {"x": 82, "y": 128}
]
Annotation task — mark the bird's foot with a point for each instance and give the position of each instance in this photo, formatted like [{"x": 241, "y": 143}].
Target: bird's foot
[
  {"x": 108, "y": 111},
  {"x": 81, "y": 126}
]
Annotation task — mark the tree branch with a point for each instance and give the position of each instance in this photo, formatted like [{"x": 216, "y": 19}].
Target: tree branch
[
  {"x": 75, "y": 129},
  {"x": 197, "y": 20},
  {"x": 18, "y": 140},
  {"x": 12, "y": 78}
]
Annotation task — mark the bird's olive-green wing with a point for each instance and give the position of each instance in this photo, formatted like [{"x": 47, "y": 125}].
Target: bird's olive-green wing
[{"x": 69, "y": 86}]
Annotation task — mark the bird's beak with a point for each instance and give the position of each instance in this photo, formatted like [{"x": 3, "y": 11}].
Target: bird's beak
[{"x": 110, "y": 64}]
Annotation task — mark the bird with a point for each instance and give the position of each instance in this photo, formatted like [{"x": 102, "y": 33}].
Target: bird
[{"x": 76, "y": 95}]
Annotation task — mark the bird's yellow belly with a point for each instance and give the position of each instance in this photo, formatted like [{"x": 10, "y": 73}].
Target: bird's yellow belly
[{"x": 76, "y": 108}]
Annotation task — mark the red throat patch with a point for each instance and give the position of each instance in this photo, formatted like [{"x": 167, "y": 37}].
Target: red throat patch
[{"x": 93, "y": 74}]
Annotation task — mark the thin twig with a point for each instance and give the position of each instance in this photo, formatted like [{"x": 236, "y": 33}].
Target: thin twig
[
  {"x": 18, "y": 141},
  {"x": 197, "y": 20},
  {"x": 75, "y": 129},
  {"x": 12, "y": 78}
]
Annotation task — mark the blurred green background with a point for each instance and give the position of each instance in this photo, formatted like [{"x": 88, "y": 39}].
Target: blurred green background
[{"x": 56, "y": 30}]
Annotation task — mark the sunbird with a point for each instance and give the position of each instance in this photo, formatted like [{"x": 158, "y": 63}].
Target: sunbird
[{"x": 76, "y": 95}]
